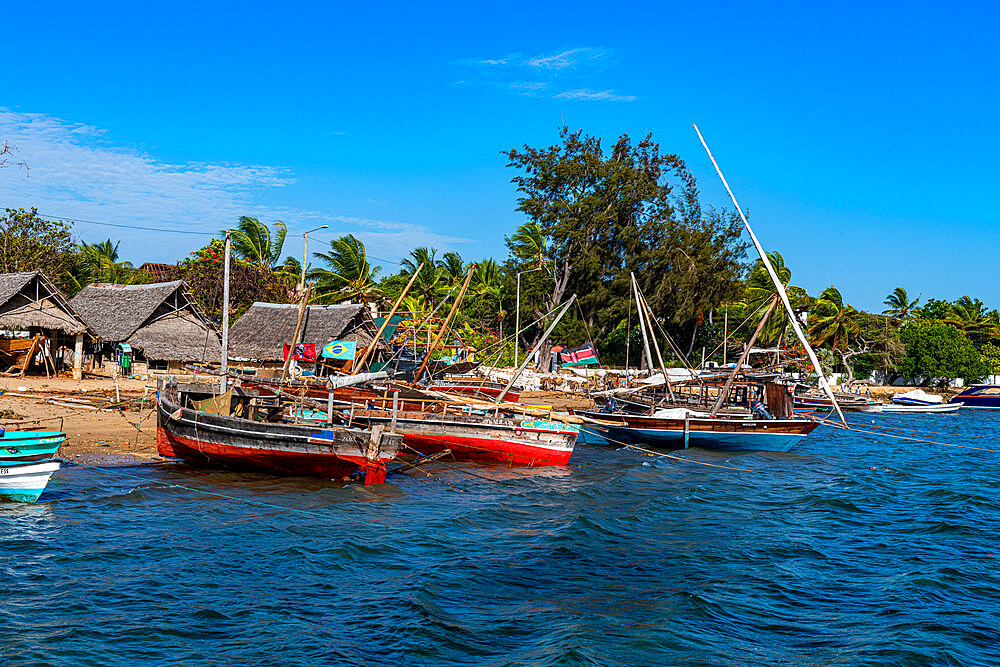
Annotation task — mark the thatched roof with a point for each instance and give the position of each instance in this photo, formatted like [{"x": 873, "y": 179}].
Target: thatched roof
[
  {"x": 262, "y": 331},
  {"x": 177, "y": 337},
  {"x": 160, "y": 319},
  {"x": 30, "y": 300}
]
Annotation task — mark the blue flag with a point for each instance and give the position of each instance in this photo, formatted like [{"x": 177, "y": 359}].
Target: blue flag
[{"x": 340, "y": 349}]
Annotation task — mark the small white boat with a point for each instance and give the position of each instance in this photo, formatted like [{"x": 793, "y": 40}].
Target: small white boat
[
  {"x": 25, "y": 482},
  {"x": 917, "y": 408},
  {"x": 917, "y": 397}
]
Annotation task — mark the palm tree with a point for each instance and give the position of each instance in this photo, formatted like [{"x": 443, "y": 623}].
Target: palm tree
[
  {"x": 254, "y": 242},
  {"x": 487, "y": 277},
  {"x": 531, "y": 243},
  {"x": 349, "y": 275},
  {"x": 99, "y": 264},
  {"x": 760, "y": 290},
  {"x": 899, "y": 304},
  {"x": 431, "y": 277},
  {"x": 292, "y": 268},
  {"x": 833, "y": 322},
  {"x": 452, "y": 267}
]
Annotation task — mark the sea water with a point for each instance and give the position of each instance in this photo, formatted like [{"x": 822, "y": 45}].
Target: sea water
[{"x": 853, "y": 549}]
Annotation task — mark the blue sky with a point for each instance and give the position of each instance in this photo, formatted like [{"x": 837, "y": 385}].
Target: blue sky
[{"x": 861, "y": 138}]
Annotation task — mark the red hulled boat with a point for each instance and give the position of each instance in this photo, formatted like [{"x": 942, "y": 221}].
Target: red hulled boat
[{"x": 232, "y": 440}]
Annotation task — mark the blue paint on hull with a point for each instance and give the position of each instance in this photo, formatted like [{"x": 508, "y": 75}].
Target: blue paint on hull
[
  {"x": 717, "y": 440},
  {"x": 21, "y": 495},
  {"x": 22, "y": 446}
]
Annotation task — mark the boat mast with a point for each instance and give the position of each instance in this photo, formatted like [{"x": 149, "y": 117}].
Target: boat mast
[
  {"x": 225, "y": 313},
  {"x": 652, "y": 334},
  {"x": 642, "y": 326},
  {"x": 364, "y": 355},
  {"x": 444, "y": 327},
  {"x": 777, "y": 284},
  {"x": 538, "y": 345}
]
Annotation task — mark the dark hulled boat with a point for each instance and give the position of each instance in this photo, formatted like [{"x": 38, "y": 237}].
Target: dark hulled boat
[
  {"x": 247, "y": 436},
  {"x": 724, "y": 434},
  {"x": 757, "y": 416}
]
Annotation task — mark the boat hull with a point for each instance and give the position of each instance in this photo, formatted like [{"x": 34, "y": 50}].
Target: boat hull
[
  {"x": 979, "y": 397},
  {"x": 728, "y": 435},
  {"x": 27, "y": 446},
  {"x": 25, "y": 482},
  {"x": 509, "y": 441},
  {"x": 203, "y": 438},
  {"x": 920, "y": 408}
]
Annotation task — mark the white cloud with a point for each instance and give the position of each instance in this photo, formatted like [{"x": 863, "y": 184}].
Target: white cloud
[
  {"x": 575, "y": 66},
  {"x": 569, "y": 58},
  {"x": 588, "y": 95},
  {"x": 76, "y": 171}
]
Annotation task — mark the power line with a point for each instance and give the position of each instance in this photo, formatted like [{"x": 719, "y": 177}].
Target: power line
[
  {"x": 122, "y": 226},
  {"x": 167, "y": 230}
]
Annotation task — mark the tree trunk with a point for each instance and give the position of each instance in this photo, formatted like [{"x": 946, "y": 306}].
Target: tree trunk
[{"x": 694, "y": 335}]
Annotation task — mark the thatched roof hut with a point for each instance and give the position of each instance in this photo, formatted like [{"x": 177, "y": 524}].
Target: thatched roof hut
[
  {"x": 29, "y": 300},
  {"x": 263, "y": 330},
  {"x": 160, "y": 320}
]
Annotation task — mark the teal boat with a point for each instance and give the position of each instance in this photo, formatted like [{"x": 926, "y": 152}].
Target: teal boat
[
  {"x": 25, "y": 482},
  {"x": 28, "y": 446}
]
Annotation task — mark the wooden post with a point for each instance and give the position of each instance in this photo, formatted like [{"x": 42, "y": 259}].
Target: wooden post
[
  {"x": 329, "y": 408},
  {"x": 31, "y": 353},
  {"x": 298, "y": 330},
  {"x": 225, "y": 315},
  {"x": 78, "y": 357},
  {"x": 395, "y": 408}
]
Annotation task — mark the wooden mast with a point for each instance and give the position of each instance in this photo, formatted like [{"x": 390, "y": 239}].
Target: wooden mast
[
  {"x": 656, "y": 345},
  {"x": 527, "y": 358},
  {"x": 642, "y": 326},
  {"x": 721, "y": 398},
  {"x": 364, "y": 355},
  {"x": 444, "y": 327},
  {"x": 225, "y": 314},
  {"x": 777, "y": 284}
]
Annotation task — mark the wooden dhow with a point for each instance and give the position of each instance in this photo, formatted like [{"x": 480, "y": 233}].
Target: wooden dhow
[
  {"x": 233, "y": 431},
  {"x": 431, "y": 422},
  {"x": 719, "y": 433}
]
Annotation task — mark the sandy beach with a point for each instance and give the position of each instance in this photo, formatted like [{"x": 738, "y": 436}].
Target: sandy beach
[{"x": 92, "y": 433}]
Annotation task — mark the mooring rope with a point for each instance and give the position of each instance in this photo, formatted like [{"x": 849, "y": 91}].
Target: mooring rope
[
  {"x": 655, "y": 453},
  {"x": 901, "y": 437}
]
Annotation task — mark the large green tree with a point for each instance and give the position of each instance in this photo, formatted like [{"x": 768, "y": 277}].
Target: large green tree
[
  {"x": 203, "y": 272},
  {"x": 29, "y": 242},
  {"x": 938, "y": 351},
  {"x": 596, "y": 215}
]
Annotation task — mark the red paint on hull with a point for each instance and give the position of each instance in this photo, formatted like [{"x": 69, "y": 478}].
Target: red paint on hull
[
  {"x": 289, "y": 463},
  {"x": 488, "y": 450}
]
